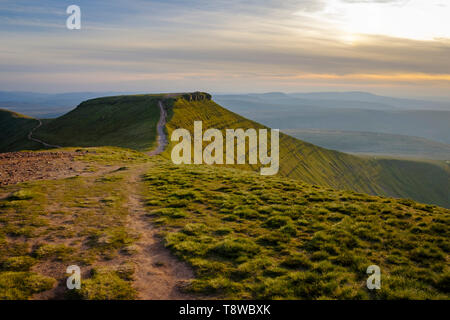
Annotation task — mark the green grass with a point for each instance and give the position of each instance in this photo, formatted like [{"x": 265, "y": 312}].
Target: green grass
[
  {"x": 254, "y": 237},
  {"x": 22, "y": 285},
  {"x": 112, "y": 155},
  {"x": 246, "y": 236},
  {"x": 14, "y": 129},
  {"x": 105, "y": 284},
  {"x": 122, "y": 121}
]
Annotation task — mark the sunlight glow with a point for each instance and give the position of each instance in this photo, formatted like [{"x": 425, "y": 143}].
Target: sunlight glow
[{"x": 409, "y": 19}]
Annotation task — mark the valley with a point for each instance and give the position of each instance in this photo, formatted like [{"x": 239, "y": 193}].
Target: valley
[{"x": 374, "y": 143}]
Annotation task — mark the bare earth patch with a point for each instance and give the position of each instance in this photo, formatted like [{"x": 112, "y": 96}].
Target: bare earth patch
[
  {"x": 16, "y": 167},
  {"x": 159, "y": 274}
]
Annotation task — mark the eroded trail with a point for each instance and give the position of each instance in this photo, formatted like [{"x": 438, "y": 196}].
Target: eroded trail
[
  {"x": 46, "y": 145},
  {"x": 159, "y": 274},
  {"x": 162, "y": 137}
]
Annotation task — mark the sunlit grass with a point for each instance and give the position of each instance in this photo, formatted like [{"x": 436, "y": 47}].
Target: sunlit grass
[{"x": 257, "y": 237}]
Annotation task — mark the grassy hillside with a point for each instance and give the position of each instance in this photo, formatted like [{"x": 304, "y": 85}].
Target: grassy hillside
[
  {"x": 14, "y": 129},
  {"x": 245, "y": 235},
  {"x": 254, "y": 237},
  {"x": 374, "y": 143},
  {"x": 123, "y": 121},
  {"x": 421, "y": 181}
]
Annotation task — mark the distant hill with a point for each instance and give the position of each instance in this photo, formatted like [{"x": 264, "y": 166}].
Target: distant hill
[
  {"x": 365, "y": 97},
  {"x": 129, "y": 121},
  {"x": 14, "y": 129},
  {"x": 46, "y": 105},
  {"x": 358, "y": 100},
  {"x": 285, "y": 111},
  {"x": 374, "y": 143}
]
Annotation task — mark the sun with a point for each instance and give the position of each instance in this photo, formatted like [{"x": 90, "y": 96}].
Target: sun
[{"x": 409, "y": 19}]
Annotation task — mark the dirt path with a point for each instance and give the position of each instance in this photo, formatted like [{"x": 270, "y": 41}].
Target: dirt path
[
  {"x": 162, "y": 137},
  {"x": 159, "y": 274},
  {"x": 30, "y": 137}
]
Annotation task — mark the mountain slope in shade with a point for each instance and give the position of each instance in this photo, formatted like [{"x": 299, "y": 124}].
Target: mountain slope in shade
[
  {"x": 122, "y": 121},
  {"x": 14, "y": 129}
]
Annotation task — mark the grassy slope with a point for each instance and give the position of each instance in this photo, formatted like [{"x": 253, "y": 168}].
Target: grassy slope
[
  {"x": 14, "y": 129},
  {"x": 123, "y": 121},
  {"x": 374, "y": 143},
  {"x": 422, "y": 181},
  {"x": 249, "y": 236},
  {"x": 246, "y": 236}
]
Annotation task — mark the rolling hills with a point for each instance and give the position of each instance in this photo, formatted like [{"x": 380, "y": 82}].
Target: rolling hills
[
  {"x": 328, "y": 112},
  {"x": 374, "y": 143},
  {"x": 129, "y": 121}
]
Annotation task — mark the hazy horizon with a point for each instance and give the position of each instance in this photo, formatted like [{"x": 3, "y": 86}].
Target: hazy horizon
[{"x": 442, "y": 98}]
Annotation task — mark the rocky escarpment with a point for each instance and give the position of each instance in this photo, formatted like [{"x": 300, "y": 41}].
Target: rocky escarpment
[{"x": 197, "y": 96}]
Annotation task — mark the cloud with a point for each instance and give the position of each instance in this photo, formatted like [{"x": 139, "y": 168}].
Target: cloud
[{"x": 206, "y": 43}]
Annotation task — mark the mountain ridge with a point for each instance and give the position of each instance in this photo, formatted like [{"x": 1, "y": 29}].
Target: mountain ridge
[{"x": 101, "y": 121}]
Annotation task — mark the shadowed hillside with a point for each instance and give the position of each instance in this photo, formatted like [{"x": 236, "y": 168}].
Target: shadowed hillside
[
  {"x": 14, "y": 129},
  {"x": 123, "y": 121}
]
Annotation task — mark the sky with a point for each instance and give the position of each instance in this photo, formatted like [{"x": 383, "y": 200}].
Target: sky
[{"x": 391, "y": 47}]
